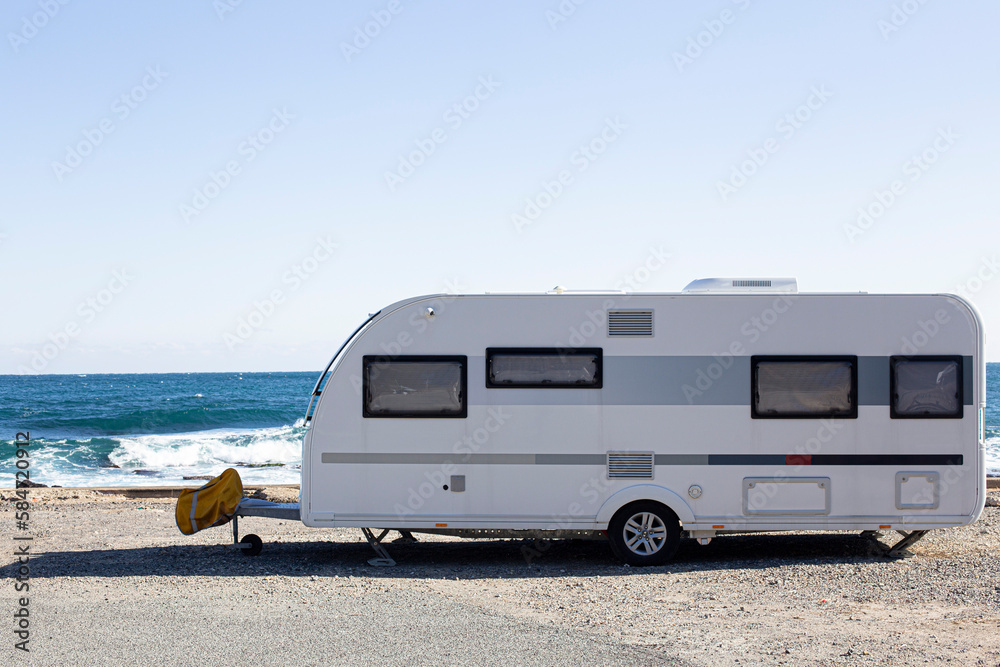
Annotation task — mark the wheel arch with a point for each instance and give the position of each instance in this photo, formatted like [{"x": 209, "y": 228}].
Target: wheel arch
[{"x": 652, "y": 492}]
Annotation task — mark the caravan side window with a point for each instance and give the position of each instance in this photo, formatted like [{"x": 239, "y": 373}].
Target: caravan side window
[
  {"x": 543, "y": 367},
  {"x": 804, "y": 387},
  {"x": 414, "y": 386},
  {"x": 925, "y": 387}
]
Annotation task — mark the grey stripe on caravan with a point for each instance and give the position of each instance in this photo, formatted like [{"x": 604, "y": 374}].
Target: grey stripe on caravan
[
  {"x": 473, "y": 459},
  {"x": 499, "y": 459},
  {"x": 632, "y": 381},
  {"x": 427, "y": 459},
  {"x": 697, "y": 380},
  {"x": 873, "y": 380}
]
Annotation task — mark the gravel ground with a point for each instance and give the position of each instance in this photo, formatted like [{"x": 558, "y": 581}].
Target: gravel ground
[{"x": 115, "y": 582}]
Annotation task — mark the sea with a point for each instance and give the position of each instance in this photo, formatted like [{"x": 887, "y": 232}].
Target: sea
[
  {"x": 171, "y": 429},
  {"x": 156, "y": 429}
]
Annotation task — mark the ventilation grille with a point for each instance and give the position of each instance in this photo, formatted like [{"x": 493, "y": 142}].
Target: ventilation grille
[
  {"x": 751, "y": 283},
  {"x": 630, "y": 323},
  {"x": 630, "y": 465}
]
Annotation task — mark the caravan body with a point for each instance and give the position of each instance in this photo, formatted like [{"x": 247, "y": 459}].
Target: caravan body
[{"x": 736, "y": 405}]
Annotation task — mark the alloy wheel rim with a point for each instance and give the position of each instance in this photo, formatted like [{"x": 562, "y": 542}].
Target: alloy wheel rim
[{"x": 644, "y": 533}]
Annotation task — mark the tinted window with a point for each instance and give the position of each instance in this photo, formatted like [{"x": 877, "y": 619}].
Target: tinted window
[
  {"x": 543, "y": 367},
  {"x": 926, "y": 387},
  {"x": 414, "y": 387},
  {"x": 804, "y": 387}
]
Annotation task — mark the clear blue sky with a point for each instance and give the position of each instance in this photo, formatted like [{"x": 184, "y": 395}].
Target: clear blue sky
[{"x": 116, "y": 114}]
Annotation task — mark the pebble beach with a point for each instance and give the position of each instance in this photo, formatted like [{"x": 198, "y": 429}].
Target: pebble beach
[{"x": 112, "y": 581}]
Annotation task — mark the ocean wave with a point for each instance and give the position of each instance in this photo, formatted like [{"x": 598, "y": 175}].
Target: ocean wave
[
  {"x": 993, "y": 452},
  {"x": 267, "y": 455},
  {"x": 127, "y": 405},
  {"x": 247, "y": 447},
  {"x": 156, "y": 420}
]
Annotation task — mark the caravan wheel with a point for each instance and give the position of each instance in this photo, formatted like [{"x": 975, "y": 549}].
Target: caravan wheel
[
  {"x": 644, "y": 533},
  {"x": 255, "y": 544}
]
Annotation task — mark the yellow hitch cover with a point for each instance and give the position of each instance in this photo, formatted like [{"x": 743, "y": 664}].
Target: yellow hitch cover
[{"x": 212, "y": 505}]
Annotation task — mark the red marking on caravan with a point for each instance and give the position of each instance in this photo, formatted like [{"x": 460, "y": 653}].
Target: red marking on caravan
[{"x": 798, "y": 460}]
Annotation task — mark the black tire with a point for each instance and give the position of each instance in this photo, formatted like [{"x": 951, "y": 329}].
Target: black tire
[
  {"x": 644, "y": 533},
  {"x": 256, "y": 544}
]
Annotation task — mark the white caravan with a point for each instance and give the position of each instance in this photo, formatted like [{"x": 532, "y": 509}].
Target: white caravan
[{"x": 735, "y": 405}]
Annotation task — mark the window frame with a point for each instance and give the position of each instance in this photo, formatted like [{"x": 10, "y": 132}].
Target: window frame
[
  {"x": 546, "y": 352},
  {"x": 800, "y": 358},
  {"x": 415, "y": 358},
  {"x": 959, "y": 363}
]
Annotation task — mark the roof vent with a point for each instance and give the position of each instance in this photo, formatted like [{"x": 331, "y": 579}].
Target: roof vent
[
  {"x": 630, "y": 323},
  {"x": 742, "y": 285}
]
